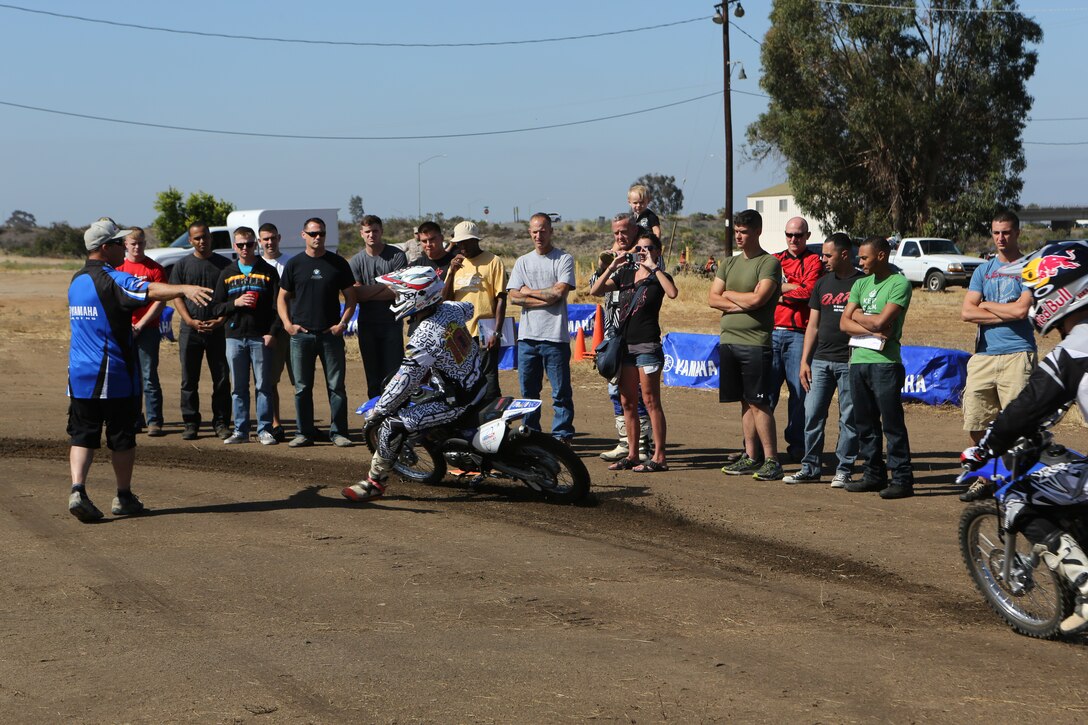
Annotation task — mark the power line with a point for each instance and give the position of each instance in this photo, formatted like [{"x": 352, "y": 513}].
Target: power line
[
  {"x": 307, "y": 137},
  {"x": 354, "y": 43},
  {"x": 1055, "y": 143},
  {"x": 938, "y": 9}
]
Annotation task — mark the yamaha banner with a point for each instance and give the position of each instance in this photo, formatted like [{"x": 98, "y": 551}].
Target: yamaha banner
[
  {"x": 691, "y": 361},
  {"x": 581, "y": 316},
  {"x": 166, "y": 324}
]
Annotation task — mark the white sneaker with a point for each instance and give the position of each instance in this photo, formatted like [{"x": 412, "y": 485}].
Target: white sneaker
[
  {"x": 840, "y": 480},
  {"x": 236, "y": 438},
  {"x": 266, "y": 438}
]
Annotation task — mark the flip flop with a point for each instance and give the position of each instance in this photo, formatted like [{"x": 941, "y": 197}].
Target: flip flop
[
  {"x": 623, "y": 464},
  {"x": 651, "y": 466}
]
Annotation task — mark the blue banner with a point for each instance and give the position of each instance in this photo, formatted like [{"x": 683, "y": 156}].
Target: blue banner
[
  {"x": 581, "y": 316},
  {"x": 166, "y": 323},
  {"x": 691, "y": 361}
]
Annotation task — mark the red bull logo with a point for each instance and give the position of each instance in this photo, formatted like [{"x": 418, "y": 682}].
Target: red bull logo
[{"x": 1038, "y": 272}]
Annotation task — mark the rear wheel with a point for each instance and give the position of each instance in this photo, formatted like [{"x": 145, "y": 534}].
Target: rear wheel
[
  {"x": 420, "y": 459},
  {"x": 554, "y": 467},
  {"x": 1033, "y": 601}
]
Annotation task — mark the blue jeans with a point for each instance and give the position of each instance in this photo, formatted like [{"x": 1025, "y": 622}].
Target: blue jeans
[
  {"x": 878, "y": 411},
  {"x": 826, "y": 376},
  {"x": 535, "y": 358},
  {"x": 786, "y": 348},
  {"x": 306, "y": 347},
  {"x": 147, "y": 350},
  {"x": 244, "y": 354}
]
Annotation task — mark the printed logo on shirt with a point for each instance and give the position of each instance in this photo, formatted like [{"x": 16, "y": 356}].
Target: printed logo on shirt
[
  {"x": 458, "y": 341},
  {"x": 316, "y": 274},
  {"x": 82, "y": 312},
  {"x": 835, "y": 301}
]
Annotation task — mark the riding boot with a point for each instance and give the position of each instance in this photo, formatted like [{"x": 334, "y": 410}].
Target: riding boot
[
  {"x": 645, "y": 439},
  {"x": 1069, "y": 561},
  {"x": 621, "y": 449}
]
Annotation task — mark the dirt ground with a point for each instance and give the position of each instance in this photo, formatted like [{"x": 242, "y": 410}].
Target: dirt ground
[{"x": 255, "y": 593}]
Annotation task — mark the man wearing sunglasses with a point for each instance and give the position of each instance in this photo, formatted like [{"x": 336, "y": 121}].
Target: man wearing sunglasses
[
  {"x": 313, "y": 283},
  {"x": 202, "y": 336},
  {"x": 246, "y": 295}
]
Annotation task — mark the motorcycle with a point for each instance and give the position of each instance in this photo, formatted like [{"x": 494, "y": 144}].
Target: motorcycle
[
  {"x": 1013, "y": 579},
  {"x": 486, "y": 440}
]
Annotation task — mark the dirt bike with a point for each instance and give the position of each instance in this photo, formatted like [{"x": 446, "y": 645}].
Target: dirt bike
[
  {"x": 1013, "y": 579},
  {"x": 485, "y": 441}
]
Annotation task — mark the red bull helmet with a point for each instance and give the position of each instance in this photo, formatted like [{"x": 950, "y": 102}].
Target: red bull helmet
[
  {"x": 1057, "y": 276},
  {"x": 416, "y": 288}
]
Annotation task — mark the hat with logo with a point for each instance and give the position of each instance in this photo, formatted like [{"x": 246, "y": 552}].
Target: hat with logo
[
  {"x": 465, "y": 230},
  {"x": 102, "y": 231}
]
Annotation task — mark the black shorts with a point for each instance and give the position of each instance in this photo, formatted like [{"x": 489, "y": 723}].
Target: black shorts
[
  {"x": 120, "y": 415},
  {"x": 744, "y": 374}
]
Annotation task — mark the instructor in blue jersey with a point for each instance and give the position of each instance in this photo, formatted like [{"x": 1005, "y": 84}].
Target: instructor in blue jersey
[{"x": 103, "y": 370}]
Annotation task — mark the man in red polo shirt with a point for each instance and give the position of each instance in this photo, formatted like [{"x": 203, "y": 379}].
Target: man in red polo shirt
[{"x": 800, "y": 271}]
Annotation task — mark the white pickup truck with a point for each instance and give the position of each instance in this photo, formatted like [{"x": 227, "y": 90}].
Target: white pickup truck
[
  {"x": 289, "y": 222},
  {"x": 934, "y": 263}
]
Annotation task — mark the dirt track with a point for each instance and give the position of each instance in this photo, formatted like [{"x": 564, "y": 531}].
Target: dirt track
[{"x": 255, "y": 593}]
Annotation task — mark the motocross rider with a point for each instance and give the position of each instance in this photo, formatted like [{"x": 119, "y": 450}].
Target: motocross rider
[
  {"x": 1057, "y": 275},
  {"x": 439, "y": 348}
]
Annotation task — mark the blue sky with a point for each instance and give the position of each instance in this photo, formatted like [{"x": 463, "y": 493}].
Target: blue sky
[{"x": 70, "y": 169}]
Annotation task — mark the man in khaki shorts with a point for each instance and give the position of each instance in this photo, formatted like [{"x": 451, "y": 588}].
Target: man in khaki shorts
[{"x": 1005, "y": 352}]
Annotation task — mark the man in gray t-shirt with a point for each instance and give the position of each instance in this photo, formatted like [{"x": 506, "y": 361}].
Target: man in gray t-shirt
[{"x": 539, "y": 284}]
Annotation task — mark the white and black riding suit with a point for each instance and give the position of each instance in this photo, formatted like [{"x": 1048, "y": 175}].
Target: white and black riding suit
[
  {"x": 442, "y": 354},
  {"x": 1036, "y": 504}
]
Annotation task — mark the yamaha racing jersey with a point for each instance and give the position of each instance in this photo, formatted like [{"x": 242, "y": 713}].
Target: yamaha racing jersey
[
  {"x": 439, "y": 344},
  {"x": 102, "y": 361}
]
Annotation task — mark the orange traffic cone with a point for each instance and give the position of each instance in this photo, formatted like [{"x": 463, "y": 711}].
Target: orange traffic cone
[
  {"x": 579, "y": 346},
  {"x": 598, "y": 329}
]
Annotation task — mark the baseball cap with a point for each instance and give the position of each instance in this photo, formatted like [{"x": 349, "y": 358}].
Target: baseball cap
[
  {"x": 465, "y": 230},
  {"x": 102, "y": 231}
]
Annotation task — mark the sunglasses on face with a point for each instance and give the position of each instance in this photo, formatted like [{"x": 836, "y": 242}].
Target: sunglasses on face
[
  {"x": 314, "y": 235},
  {"x": 245, "y": 245},
  {"x": 645, "y": 249},
  {"x": 795, "y": 235}
]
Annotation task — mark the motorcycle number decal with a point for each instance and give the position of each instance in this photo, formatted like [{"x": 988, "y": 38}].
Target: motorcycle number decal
[{"x": 489, "y": 437}]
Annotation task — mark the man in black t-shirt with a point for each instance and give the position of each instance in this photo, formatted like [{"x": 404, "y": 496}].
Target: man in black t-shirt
[
  {"x": 202, "y": 336},
  {"x": 434, "y": 254},
  {"x": 825, "y": 366},
  {"x": 315, "y": 281}
]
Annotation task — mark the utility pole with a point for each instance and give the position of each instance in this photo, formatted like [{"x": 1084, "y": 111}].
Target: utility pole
[{"x": 722, "y": 18}]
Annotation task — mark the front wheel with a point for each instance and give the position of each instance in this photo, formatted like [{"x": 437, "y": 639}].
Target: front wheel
[
  {"x": 1033, "y": 600},
  {"x": 420, "y": 459},
  {"x": 559, "y": 473},
  {"x": 935, "y": 281}
]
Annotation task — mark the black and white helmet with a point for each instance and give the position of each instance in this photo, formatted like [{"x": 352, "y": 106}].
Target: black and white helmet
[
  {"x": 1057, "y": 276},
  {"x": 416, "y": 288}
]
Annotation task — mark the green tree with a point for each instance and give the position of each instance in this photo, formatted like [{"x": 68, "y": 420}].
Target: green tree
[
  {"x": 177, "y": 213},
  {"x": 908, "y": 117},
  {"x": 355, "y": 209},
  {"x": 20, "y": 219},
  {"x": 665, "y": 196}
]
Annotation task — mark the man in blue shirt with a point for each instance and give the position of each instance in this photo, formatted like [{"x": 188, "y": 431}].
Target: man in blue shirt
[
  {"x": 1005, "y": 351},
  {"x": 103, "y": 371}
]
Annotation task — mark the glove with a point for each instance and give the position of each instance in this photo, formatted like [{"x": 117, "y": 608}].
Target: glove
[
  {"x": 975, "y": 457},
  {"x": 373, "y": 422}
]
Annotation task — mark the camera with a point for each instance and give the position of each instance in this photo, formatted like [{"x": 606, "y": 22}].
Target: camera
[{"x": 629, "y": 258}]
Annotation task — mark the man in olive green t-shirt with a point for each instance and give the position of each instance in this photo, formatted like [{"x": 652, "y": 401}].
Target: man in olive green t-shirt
[
  {"x": 874, "y": 319},
  {"x": 745, "y": 290}
]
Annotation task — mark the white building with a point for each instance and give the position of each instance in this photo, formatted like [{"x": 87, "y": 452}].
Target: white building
[{"x": 777, "y": 206}]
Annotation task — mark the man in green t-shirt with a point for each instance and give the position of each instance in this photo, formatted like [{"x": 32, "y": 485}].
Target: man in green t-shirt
[
  {"x": 745, "y": 290},
  {"x": 874, "y": 320}
]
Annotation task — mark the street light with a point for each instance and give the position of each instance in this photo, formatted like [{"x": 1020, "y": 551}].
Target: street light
[
  {"x": 721, "y": 11},
  {"x": 419, "y": 183}
]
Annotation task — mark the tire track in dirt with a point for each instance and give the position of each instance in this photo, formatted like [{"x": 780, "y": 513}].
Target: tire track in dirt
[{"x": 664, "y": 534}]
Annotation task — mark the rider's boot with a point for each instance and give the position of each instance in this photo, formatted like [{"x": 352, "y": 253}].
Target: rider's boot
[
  {"x": 621, "y": 449},
  {"x": 373, "y": 486},
  {"x": 646, "y": 439},
  {"x": 1069, "y": 561}
]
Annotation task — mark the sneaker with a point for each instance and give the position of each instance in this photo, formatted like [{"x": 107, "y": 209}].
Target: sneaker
[
  {"x": 222, "y": 432},
  {"x": 279, "y": 433},
  {"x": 301, "y": 441},
  {"x": 267, "y": 438},
  {"x": 802, "y": 476},
  {"x": 865, "y": 485},
  {"x": 128, "y": 506},
  {"x": 236, "y": 438},
  {"x": 155, "y": 431},
  {"x": 742, "y": 466},
  {"x": 898, "y": 490},
  {"x": 340, "y": 441},
  {"x": 366, "y": 490},
  {"x": 978, "y": 490},
  {"x": 841, "y": 480},
  {"x": 189, "y": 434},
  {"x": 769, "y": 471},
  {"x": 80, "y": 506}
]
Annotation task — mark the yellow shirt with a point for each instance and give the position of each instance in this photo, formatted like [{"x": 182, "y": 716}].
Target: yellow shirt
[{"x": 480, "y": 281}]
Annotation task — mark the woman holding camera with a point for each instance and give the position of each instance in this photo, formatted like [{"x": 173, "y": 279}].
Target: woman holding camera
[{"x": 642, "y": 284}]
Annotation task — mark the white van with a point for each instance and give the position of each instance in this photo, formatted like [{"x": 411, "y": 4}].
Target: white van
[{"x": 289, "y": 222}]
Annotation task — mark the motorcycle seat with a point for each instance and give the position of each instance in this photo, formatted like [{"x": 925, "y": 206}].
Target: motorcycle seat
[{"x": 493, "y": 410}]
